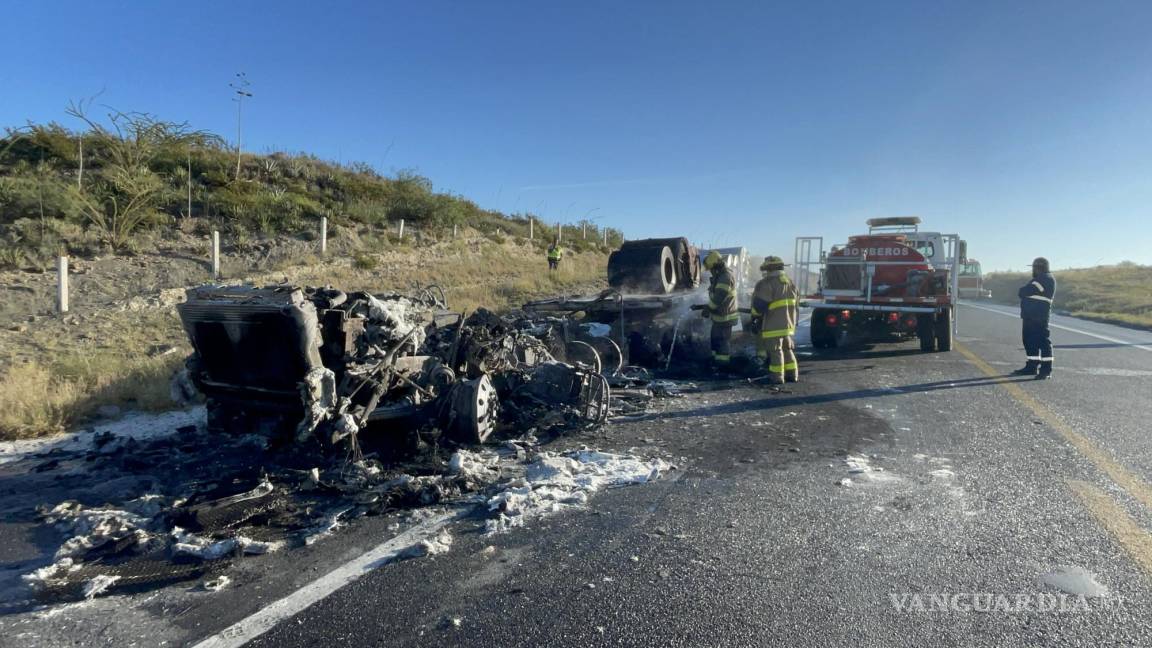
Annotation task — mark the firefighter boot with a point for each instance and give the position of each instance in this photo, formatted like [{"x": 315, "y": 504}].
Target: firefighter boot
[
  {"x": 792, "y": 376},
  {"x": 1045, "y": 371},
  {"x": 1028, "y": 369}
]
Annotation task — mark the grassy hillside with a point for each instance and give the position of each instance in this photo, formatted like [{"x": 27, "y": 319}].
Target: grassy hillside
[
  {"x": 126, "y": 179},
  {"x": 1120, "y": 294}
]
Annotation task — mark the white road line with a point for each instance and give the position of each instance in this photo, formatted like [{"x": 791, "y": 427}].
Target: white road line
[
  {"x": 264, "y": 620},
  {"x": 1067, "y": 328}
]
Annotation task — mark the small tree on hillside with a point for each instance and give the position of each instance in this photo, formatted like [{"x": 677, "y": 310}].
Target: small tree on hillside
[{"x": 124, "y": 195}]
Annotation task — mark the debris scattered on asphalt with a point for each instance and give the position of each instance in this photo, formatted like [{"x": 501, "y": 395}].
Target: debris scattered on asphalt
[
  {"x": 98, "y": 584},
  {"x": 438, "y": 544},
  {"x": 861, "y": 468},
  {"x": 1075, "y": 580},
  {"x": 215, "y": 584},
  {"x": 185, "y": 506},
  {"x": 323, "y": 407},
  {"x": 942, "y": 475}
]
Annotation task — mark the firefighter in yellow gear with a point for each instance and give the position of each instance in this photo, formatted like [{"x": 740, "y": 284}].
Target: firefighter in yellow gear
[
  {"x": 721, "y": 308},
  {"x": 775, "y": 308},
  {"x": 555, "y": 253}
]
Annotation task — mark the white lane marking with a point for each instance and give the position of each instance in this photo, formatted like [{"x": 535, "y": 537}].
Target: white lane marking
[
  {"x": 264, "y": 620},
  {"x": 1066, "y": 328}
]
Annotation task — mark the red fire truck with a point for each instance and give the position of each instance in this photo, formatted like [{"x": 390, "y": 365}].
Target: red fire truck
[{"x": 893, "y": 283}]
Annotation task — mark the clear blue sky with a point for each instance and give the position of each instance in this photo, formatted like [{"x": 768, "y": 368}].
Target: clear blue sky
[{"x": 1026, "y": 127}]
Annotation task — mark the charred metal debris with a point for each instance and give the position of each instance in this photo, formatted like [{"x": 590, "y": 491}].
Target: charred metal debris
[
  {"x": 307, "y": 392},
  {"x": 134, "y": 515},
  {"x": 305, "y": 364}
]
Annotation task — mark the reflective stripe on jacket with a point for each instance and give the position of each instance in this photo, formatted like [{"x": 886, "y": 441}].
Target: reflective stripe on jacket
[
  {"x": 775, "y": 301},
  {"x": 1036, "y": 297},
  {"x": 722, "y": 296},
  {"x": 555, "y": 254}
]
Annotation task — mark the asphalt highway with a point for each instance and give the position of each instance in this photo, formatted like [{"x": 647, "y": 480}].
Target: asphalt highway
[{"x": 892, "y": 498}]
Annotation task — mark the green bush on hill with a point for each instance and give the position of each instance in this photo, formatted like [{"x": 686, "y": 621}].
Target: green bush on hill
[{"x": 99, "y": 188}]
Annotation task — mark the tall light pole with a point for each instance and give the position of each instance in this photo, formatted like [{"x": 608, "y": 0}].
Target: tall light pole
[{"x": 240, "y": 86}]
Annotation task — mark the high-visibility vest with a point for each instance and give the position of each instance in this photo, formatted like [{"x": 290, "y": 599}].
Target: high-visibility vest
[{"x": 555, "y": 254}]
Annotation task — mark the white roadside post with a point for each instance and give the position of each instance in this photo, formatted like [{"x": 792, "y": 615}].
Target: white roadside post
[
  {"x": 605, "y": 237},
  {"x": 531, "y": 223},
  {"x": 584, "y": 230},
  {"x": 559, "y": 232},
  {"x": 215, "y": 254},
  {"x": 453, "y": 230},
  {"x": 62, "y": 284},
  {"x": 323, "y": 235},
  {"x": 401, "y": 229}
]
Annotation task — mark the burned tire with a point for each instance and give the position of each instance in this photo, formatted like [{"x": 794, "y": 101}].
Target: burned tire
[
  {"x": 926, "y": 332},
  {"x": 685, "y": 256},
  {"x": 643, "y": 269},
  {"x": 943, "y": 331}
]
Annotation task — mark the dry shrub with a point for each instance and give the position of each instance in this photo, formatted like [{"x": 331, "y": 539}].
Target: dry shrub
[
  {"x": 31, "y": 403},
  {"x": 36, "y": 400}
]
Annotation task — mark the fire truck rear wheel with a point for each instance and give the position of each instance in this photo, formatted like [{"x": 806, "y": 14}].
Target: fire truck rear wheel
[
  {"x": 926, "y": 331},
  {"x": 823, "y": 337},
  {"x": 943, "y": 331}
]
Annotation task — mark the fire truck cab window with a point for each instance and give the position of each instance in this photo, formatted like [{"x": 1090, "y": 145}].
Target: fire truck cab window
[
  {"x": 927, "y": 248},
  {"x": 971, "y": 269}
]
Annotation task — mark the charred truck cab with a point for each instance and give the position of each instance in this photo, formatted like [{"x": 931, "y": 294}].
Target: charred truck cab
[{"x": 893, "y": 283}]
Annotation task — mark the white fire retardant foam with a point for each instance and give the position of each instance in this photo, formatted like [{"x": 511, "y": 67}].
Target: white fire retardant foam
[
  {"x": 861, "y": 468},
  {"x": 554, "y": 482}
]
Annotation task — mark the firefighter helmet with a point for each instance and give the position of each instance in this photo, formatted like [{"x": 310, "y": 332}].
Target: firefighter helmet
[
  {"x": 713, "y": 259},
  {"x": 772, "y": 263},
  {"x": 1041, "y": 264}
]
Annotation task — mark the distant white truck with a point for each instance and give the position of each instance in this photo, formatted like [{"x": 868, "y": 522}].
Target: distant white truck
[{"x": 971, "y": 282}]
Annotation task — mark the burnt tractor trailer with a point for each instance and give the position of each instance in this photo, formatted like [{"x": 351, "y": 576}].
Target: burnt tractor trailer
[
  {"x": 646, "y": 315},
  {"x": 302, "y": 363},
  {"x": 894, "y": 283}
]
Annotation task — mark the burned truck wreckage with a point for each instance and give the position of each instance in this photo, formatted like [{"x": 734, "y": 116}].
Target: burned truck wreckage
[
  {"x": 301, "y": 386},
  {"x": 322, "y": 406},
  {"x": 319, "y": 364},
  {"x": 653, "y": 285},
  {"x": 323, "y": 365}
]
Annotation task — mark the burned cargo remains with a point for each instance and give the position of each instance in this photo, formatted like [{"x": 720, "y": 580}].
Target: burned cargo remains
[
  {"x": 653, "y": 285},
  {"x": 320, "y": 364}
]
